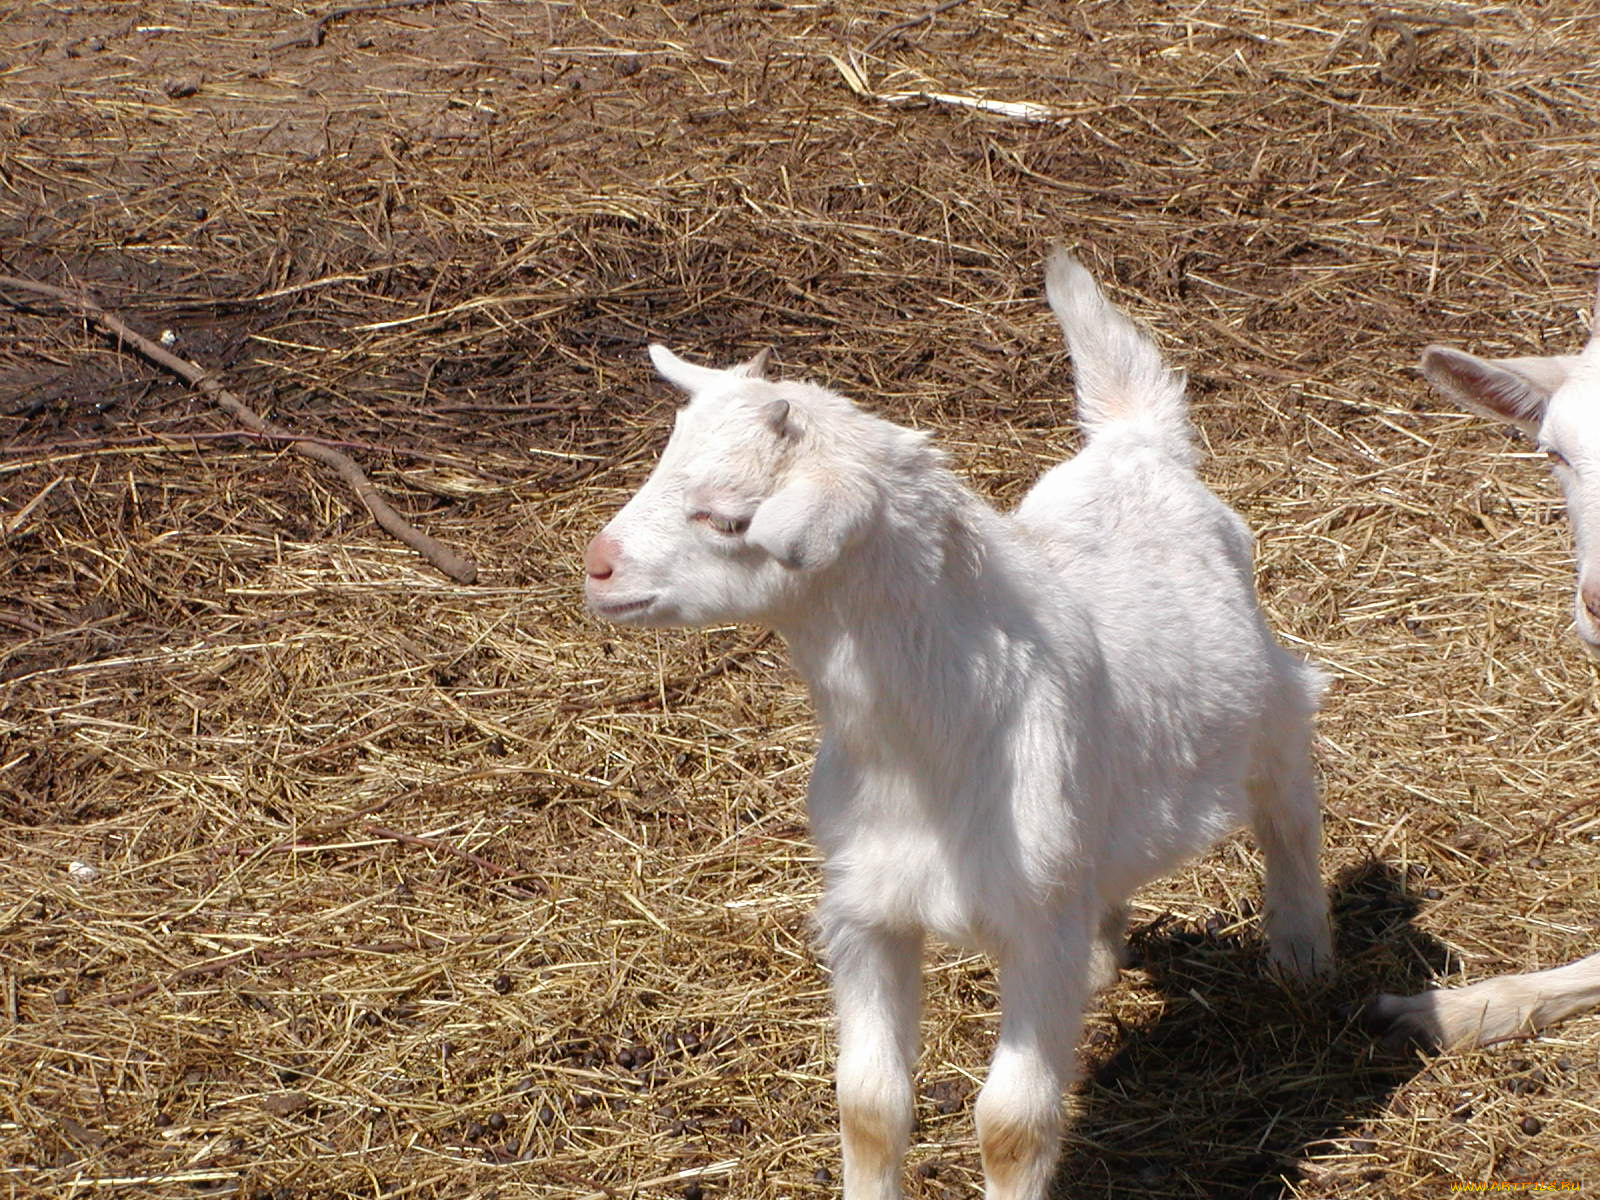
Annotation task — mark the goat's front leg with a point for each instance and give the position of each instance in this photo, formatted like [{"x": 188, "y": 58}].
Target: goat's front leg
[
  {"x": 877, "y": 976},
  {"x": 1043, "y": 987}
]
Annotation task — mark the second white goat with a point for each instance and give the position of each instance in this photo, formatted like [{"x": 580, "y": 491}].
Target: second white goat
[
  {"x": 1024, "y": 717},
  {"x": 1555, "y": 400}
]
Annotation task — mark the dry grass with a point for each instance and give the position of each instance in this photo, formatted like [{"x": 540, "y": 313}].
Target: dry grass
[{"x": 410, "y": 889}]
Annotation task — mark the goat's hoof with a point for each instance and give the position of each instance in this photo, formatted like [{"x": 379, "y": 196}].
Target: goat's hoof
[
  {"x": 1401, "y": 1022},
  {"x": 1302, "y": 960}
]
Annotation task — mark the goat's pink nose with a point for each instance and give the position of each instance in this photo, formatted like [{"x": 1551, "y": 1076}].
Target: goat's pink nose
[{"x": 600, "y": 559}]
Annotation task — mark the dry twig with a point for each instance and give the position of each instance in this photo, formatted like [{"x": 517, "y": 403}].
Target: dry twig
[
  {"x": 447, "y": 560},
  {"x": 911, "y": 23}
]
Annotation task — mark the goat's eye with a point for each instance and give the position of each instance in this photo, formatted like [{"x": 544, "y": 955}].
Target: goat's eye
[{"x": 722, "y": 524}]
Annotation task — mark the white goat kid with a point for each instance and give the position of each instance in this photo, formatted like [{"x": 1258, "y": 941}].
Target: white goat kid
[
  {"x": 1023, "y": 717},
  {"x": 1556, "y": 402}
]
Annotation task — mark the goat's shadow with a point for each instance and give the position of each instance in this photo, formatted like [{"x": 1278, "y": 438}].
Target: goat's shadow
[{"x": 1238, "y": 1080}]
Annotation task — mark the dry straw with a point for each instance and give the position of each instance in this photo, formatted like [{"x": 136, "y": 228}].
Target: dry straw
[{"x": 396, "y": 887}]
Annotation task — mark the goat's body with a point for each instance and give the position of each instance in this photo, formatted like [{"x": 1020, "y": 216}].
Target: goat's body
[
  {"x": 1024, "y": 716},
  {"x": 1190, "y": 665},
  {"x": 1083, "y": 697},
  {"x": 1116, "y": 608}
]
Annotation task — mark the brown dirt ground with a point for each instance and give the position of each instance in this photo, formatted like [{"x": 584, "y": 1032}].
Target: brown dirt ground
[{"x": 405, "y": 888}]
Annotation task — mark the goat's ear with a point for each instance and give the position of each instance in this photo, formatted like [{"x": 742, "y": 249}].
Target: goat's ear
[
  {"x": 810, "y": 522},
  {"x": 754, "y": 368},
  {"x": 686, "y": 375},
  {"x": 1515, "y": 390}
]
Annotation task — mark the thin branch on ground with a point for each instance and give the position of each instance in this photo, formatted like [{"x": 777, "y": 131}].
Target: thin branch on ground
[
  {"x": 461, "y": 569},
  {"x": 911, "y": 23}
]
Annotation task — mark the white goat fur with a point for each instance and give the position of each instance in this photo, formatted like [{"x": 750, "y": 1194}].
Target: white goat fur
[
  {"x": 1556, "y": 401},
  {"x": 1024, "y": 717}
]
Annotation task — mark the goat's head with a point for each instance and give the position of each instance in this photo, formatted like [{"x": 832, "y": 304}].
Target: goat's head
[
  {"x": 748, "y": 502},
  {"x": 1556, "y": 402}
]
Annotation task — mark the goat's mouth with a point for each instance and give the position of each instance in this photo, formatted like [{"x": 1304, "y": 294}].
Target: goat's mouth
[
  {"x": 1587, "y": 631},
  {"x": 619, "y": 610}
]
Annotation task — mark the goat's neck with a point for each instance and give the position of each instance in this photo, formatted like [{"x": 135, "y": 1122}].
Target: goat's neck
[{"x": 921, "y": 630}]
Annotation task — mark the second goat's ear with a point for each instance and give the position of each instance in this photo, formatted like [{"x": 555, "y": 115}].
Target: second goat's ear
[
  {"x": 686, "y": 375},
  {"x": 1511, "y": 390},
  {"x": 809, "y": 523},
  {"x": 754, "y": 368}
]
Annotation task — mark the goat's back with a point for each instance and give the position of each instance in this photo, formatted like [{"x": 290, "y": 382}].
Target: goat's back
[{"x": 1160, "y": 569}]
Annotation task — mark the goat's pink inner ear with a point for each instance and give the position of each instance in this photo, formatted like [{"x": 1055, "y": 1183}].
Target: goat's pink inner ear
[
  {"x": 775, "y": 415},
  {"x": 1495, "y": 389}
]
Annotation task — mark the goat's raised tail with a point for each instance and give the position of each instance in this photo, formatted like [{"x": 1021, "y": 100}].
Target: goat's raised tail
[{"x": 1119, "y": 371}]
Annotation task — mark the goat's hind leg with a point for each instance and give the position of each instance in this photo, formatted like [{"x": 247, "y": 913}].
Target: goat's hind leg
[
  {"x": 877, "y": 977},
  {"x": 1286, "y": 816},
  {"x": 1110, "y": 952}
]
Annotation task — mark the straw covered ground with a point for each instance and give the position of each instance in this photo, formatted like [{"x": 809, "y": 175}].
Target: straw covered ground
[{"x": 390, "y": 885}]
